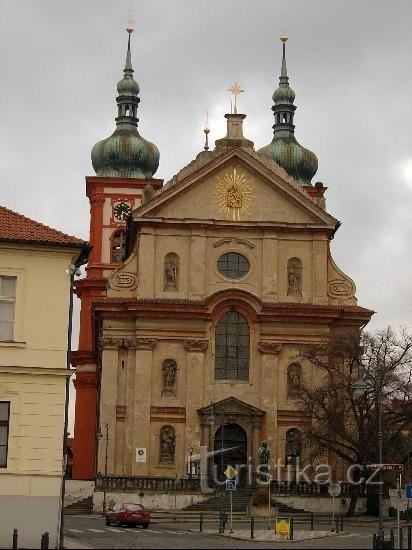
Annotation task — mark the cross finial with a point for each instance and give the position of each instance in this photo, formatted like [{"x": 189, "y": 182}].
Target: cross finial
[
  {"x": 235, "y": 90},
  {"x": 206, "y": 131}
]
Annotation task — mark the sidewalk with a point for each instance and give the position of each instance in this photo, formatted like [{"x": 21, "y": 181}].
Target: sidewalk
[
  {"x": 74, "y": 544},
  {"x": 267, "y": 535}
]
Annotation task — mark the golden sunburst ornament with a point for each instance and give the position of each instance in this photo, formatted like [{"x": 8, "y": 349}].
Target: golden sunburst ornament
[{"x": 234, "y": 193}]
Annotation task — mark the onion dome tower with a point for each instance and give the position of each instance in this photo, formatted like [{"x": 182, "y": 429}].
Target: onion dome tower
[
  {"x": 299, "y": 162},
  {"x": 125, "y": 154}
]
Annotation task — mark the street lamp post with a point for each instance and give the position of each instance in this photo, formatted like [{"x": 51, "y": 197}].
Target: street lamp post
[{"x": 190, "y": 462}]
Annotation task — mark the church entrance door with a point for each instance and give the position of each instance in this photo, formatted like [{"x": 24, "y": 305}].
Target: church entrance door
[{"x": 233, "y": 440}]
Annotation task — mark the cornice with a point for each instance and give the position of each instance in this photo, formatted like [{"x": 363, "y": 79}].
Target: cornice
[{"x": 36, "y": 371}]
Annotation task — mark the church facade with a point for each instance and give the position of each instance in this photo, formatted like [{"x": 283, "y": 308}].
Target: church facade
[{"x": 193, "y": 334}]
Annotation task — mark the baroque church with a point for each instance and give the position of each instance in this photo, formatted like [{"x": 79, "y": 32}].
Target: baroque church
[{"x": 198, "y": 296}]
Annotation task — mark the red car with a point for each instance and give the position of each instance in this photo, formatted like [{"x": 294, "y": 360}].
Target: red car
[{"x": 128, "y": 514}]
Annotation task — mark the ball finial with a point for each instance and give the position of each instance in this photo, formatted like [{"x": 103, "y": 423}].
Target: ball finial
[{"x": 129, "y": 29}]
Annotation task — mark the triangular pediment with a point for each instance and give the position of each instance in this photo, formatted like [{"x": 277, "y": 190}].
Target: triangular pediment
[
  {"x": 230, "y": 407},
  {"x": 235, "y": 186}
]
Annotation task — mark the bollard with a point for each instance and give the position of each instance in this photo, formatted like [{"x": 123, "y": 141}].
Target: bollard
[
  {"x": 15, "y": 536},
  {"x": 291, "y": 529},
  {"x": 400, "y": 541},
  {"x": 221, "y": 526},
  {"x": 341, "y": 522},
  {"x": 201, "y": 522},
  {"x": 409, "y": 537},
  {"x": 44, "y": 544},
  {"x": 311, "y": 521},
  {"x": 392, "y": 538},
  {"x": 252, "y": 527}
]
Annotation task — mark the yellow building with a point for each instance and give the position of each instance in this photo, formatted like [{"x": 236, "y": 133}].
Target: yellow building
[{"x": 36, "y": 263}]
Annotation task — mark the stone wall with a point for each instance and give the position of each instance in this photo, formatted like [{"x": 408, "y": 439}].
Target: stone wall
[{"x": 153, "y": 501}]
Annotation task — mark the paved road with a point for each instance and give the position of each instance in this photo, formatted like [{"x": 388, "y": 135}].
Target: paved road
[{"x": 91, "y": 532}]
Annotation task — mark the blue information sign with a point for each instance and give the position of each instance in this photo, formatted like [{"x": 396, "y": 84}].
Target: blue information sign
[
  {"x": 231, "y": 485},
  {"x": 408, "y": 491}
]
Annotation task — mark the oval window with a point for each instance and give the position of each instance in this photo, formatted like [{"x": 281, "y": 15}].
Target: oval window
[{"x": 233, "y": 265}]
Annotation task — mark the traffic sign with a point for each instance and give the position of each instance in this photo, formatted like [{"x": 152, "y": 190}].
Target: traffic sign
[
  {"x": 386, "y": 467},
  {"x": 334, "y": 489},
  {"x": 231, "y": 485},
  {"x": 230, "y": 472},
  {"x": 408, "y": 491}
]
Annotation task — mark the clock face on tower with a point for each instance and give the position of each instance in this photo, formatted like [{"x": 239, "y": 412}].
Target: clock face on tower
[{"x": 121, "y": 211}]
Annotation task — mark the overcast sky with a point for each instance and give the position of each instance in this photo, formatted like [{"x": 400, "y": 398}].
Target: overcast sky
[{"x": 349, "y": 62}]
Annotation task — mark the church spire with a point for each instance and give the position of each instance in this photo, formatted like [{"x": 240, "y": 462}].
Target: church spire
[
  {"x": 125, "y": 153},
  {"x": 300, "y": 163}
]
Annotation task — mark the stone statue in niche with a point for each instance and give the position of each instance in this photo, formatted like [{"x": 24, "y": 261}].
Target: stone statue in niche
[
  {"x": 294, "y": 277},
  {"x": 169, "y": 369},
  {"x": 294, "y": 381},
  {"x": 171, "y": 272},
  {"x": 264, "y": 456},
  {"x": 167, "y": 445}
]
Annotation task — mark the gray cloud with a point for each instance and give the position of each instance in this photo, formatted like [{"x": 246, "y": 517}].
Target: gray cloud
[{"x": 349, "y": 63}]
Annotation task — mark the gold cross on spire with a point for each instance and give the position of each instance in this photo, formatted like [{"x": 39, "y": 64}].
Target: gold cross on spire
[{"x": 235, "y": 90}]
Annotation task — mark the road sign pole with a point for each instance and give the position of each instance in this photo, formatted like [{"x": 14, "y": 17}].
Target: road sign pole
[
  {"x": 333, "y": 512},
  {"x": 269, "y": 506},
  {"x": 398, "y": 513},
  {"x": 231, "y": 512}
]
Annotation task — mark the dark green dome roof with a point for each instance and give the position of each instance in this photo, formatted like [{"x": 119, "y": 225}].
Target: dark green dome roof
[
  {"x": 299, "y": 162},
  {"x": 125, "y": 154}
]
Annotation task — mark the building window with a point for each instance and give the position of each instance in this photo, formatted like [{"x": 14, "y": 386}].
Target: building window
[
  {"x": 118, "y": 246},
  {"x": 7, "y": 307},
  {"x": 294, "y": 384},
  {"x": 4, "y": 432},
  {"x": 232, "y": 347},
  {"x": 171, "y": 272},
  {"x": 233, "y": 265}
]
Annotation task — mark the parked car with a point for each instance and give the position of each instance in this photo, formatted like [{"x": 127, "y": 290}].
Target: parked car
[{"x": 128, "y": 514}]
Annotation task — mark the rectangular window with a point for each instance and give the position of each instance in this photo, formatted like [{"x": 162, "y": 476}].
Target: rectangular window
[
  {"x": 4, "y": 432},
  {"x": 7, "y": 307}
]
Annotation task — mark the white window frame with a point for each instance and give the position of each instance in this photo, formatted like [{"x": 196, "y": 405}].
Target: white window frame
[{"x": 18, "y": 328}]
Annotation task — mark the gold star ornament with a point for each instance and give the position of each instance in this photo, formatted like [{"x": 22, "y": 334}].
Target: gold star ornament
[{"x": 234, "y": 194}]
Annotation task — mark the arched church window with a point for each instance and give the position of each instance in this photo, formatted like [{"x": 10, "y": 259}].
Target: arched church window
[
  {"x": 294, "y": 381},
  {"x": 232, "y": 347},
  {"x": 294, "y": 277},
  {"x": 118, "y": 246},
  {"x": 293, "y": 447},
  {"x": 167, "y": 441},
  {"x": 171, "y": 272}
]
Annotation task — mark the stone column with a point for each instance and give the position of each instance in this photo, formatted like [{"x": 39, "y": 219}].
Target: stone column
[
  {"x": 269, "y": 398},
  {"x": 269, "y": 273},
  {"x": 108, "y": 401},
  {"x": 194, "y": 395},
  {"x": 142, "y": 403},
  {"x": 146, "y": 261},
  {"x": 197, "y": 264},
  {"x": 129, "y": 449}
]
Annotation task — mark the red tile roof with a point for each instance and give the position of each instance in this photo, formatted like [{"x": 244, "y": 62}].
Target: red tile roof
[{"x": 18, "y": 228}]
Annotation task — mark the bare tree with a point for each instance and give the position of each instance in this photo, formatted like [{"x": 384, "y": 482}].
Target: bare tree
[{"x": 344, "y": 421}]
